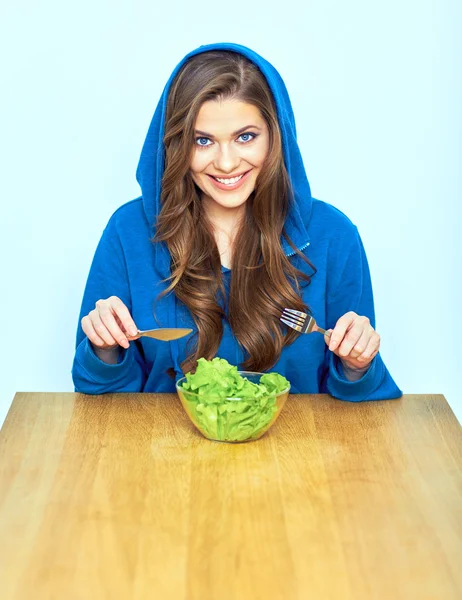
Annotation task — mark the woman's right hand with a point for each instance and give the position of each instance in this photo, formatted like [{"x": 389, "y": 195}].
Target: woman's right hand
[{"x": 108, "y": 324}]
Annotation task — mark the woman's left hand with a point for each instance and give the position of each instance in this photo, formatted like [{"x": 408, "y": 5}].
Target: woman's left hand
[{"x": 354, "y": 341}]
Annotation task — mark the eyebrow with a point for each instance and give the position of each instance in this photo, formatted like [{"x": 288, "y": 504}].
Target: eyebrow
[{"x": 241, "y": 130}]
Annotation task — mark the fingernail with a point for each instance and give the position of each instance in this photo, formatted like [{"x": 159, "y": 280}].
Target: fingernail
[{"x": 133, "y": 331}]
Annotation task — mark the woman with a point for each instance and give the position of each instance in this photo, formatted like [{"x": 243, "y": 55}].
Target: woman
[{"x": 225, "y": 235}]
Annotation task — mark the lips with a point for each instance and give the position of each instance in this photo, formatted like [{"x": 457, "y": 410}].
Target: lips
[
  {"x": 230, "y": 187},
  {"x": 228, "y": 176}
]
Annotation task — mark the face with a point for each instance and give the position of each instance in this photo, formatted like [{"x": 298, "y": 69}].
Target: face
[{"x": 231, "y": 144}]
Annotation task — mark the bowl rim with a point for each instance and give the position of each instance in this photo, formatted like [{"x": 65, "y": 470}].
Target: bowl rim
[{"x": 233, "y": 398}]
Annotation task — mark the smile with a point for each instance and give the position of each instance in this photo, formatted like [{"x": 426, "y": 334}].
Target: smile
[{"x": 232, "y": 183}]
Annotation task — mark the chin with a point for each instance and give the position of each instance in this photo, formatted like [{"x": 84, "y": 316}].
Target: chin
[
  {"x": 231, "y": 205},
  {"x": 231, "y": 202}
]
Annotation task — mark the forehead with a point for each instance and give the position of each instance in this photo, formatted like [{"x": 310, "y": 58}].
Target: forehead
[{"x": 224, "y": 117}]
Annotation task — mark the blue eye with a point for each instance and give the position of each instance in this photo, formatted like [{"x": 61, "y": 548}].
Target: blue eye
[
  {"x": 249, "y": 137},
  {"x": 247, "y": 134},
  {"x": 202, "y": 138}
]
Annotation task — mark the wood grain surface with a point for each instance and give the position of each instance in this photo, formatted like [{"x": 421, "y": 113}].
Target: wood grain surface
[{"x": 118, "y": 496}]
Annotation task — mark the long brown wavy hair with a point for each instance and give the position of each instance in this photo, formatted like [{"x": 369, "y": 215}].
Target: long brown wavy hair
[{"x": 263, "y": 280}]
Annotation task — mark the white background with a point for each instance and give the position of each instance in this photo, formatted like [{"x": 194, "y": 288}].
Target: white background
[{"x": 376, "y": 91}]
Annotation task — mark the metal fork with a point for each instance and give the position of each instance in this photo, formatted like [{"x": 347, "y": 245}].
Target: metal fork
[{"x": 301, "y": 322}]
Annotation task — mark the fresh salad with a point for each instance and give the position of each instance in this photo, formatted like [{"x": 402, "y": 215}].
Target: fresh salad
[{"x": 228, "y": 406}]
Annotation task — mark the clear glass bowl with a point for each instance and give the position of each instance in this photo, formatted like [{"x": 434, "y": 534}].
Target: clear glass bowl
[{"x": 218, "y": 420}]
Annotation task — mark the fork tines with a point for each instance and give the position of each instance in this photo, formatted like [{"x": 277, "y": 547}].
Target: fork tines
[{"x": 295, "y": 319}]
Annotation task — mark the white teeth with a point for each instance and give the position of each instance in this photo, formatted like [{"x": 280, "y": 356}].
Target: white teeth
[{"x": 230, "y": 181}]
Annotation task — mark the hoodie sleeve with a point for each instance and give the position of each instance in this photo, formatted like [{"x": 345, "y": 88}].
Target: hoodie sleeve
[
  {"x": 352, "y": 291},
  {"x": 107, "y": 277}
]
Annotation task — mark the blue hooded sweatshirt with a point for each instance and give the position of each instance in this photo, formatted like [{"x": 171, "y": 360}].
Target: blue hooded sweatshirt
[{"x": 127, "y": 264}]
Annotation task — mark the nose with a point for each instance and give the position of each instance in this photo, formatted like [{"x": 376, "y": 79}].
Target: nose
[{"x": 227, "y": 159}]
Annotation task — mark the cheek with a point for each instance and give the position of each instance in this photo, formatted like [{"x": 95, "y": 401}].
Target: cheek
[
  {"x": 260, "y": 153},
  {"x": 198, "y": 162}
]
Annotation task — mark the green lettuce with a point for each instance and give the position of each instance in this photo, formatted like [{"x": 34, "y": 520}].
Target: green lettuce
[{"x": 228, "y": 406}]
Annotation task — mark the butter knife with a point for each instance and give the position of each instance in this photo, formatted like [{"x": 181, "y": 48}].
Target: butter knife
[{"x": 165, "y": 334}]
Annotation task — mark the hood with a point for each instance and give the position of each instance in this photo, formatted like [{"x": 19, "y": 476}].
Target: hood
[{"x": 151, "y": 164}]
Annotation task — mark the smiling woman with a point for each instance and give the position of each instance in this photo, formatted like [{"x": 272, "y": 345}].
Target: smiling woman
[
  {"x": 234, "y": 193},
  {"x": 225, "y": 236}
]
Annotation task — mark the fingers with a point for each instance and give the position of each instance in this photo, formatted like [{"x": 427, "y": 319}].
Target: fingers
[
  {"x": 372, "y": 348},
  {"x": 343, "y": 325},
  {"x": 354, "y": 339},
  {"x": 107, "y": 324},
  {"x": 90, "y": 332},
  {"x": 123, "y": 314},
  {"x": 101, "y": 339},
  {"x": 361, "y": 344}
]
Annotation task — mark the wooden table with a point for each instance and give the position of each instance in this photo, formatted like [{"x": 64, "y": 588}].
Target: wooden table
[{"x": 118, "y": 496}]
